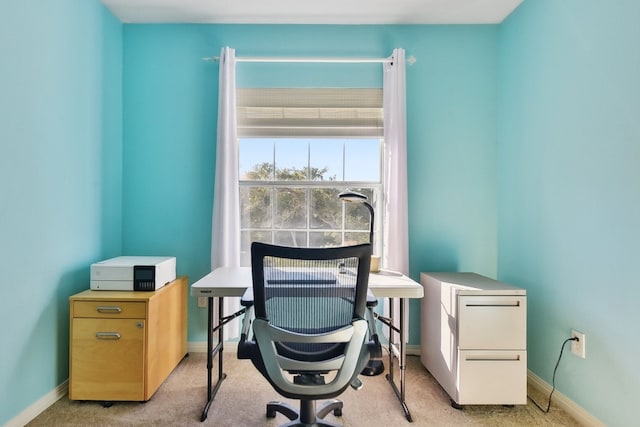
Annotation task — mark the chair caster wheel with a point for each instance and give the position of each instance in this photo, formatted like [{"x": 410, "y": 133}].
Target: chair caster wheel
[
  {"x": 271, "y": 414},
  {"x": 337, "y": 412}
]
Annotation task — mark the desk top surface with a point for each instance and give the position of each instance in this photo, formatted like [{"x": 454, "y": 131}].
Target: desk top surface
[{"x": 232, "y": 282}]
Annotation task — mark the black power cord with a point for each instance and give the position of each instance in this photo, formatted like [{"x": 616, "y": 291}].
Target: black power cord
[{"x": 553, "y": 380}]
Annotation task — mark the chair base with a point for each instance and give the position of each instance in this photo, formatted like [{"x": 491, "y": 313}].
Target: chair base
[{"x": 307, "y": 416}]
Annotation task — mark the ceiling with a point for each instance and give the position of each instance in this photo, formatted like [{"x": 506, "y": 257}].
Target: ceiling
[{"x": 313, "y": 11}]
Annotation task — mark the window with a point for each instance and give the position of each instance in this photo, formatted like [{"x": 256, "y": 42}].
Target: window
[{"x": 298, "y": 149}]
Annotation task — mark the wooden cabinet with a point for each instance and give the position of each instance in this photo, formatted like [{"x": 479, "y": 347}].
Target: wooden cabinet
[
  {"x": 474, "y": 338},
  {"x": 123, "y": 344}
]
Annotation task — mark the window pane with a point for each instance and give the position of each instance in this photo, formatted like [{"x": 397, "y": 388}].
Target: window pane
[
  {"x": 326, "y": 159},
  {"x": 246, "y": 237},
  {"x": 291, "y": 208},
  {"x": 323, "y": 240},
  {"x": 326, "y": 211},
  {"x": 291, "y": 238},
  {"x": 362, "y": 160},
  {"x": 256, "y": 159},
  {"x": 355, "y": 238},
  {"x": 255, "y": 207},
  {"x": 292, "y": 160},
  {"x": 357, "y": 216}
]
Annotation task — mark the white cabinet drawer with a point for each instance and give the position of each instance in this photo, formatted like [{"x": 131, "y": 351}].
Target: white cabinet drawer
[
  {"x": 489, "y": 322},
  {"x": 492, "y": 377}
]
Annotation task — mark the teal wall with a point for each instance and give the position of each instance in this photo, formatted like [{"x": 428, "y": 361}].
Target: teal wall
[
  {"x": 523, "y": 164},
  {"x": 60, "y": 180},
  {"x": 569, "y": 192},
  {"x": 170, "y": 113}
]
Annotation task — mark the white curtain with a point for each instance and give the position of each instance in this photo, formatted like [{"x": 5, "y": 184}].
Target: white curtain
[
  {"x": 396, "y": 229},
  {"x": 396, "y": 218},
  {"x": 225, "y": 233}
]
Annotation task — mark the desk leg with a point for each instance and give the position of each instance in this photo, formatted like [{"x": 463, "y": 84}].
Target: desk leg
[
  {"x": 212, "y": 352},
  {"x": 398, "y": 350}
]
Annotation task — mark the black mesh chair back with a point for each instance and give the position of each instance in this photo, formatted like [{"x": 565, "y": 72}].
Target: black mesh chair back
[
  {"x": 310, "y": 306},
  {"x": 310, "y": 291}
]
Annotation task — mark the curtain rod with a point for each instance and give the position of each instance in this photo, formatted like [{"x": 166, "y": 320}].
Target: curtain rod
[{"x": 411, "y": 60}]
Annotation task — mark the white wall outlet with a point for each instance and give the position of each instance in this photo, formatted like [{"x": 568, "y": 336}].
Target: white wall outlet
[
  {"x": 202, "y": 302},
  {"x": 579, "y": 347}
]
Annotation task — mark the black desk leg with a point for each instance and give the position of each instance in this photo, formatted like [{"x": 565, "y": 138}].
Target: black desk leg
[
  {"x": 399, "y": 351},
  {"x": 212, "y": 352}
]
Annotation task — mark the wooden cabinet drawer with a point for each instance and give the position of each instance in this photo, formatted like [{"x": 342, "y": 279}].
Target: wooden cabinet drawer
[
  {"x": 492, "y": 377},
  {"x": 490, "y": 322},
  {"x": 124, "y": 344},
  {"x": 107, "y": 359},
  {"x": 110, "y": 309}
]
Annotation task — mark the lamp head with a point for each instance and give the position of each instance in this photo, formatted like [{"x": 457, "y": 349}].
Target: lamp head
[{"x": 352, "y": 196}]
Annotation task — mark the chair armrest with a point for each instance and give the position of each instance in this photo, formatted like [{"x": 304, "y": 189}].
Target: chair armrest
[{"x": 355, "y": 356}]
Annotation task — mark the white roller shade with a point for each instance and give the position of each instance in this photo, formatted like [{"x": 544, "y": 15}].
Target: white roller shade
[{"x": 325, "y": 112}]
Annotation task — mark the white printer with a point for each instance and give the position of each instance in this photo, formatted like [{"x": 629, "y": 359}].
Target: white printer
[{"x": 133, "y": 273}]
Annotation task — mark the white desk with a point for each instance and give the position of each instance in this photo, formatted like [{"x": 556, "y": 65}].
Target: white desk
[{"x": 233, "y": 282}]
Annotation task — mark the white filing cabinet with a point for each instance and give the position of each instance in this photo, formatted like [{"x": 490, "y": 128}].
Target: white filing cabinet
[{"x": 474, "y": 338}]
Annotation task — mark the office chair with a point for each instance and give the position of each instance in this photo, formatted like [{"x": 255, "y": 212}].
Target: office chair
[{"x": 310, "y": 308}]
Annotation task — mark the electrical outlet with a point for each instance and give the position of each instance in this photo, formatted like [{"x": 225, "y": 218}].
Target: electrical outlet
[
  {"x": 202, "y": 302},
  {"x": 579, "y": 347}
]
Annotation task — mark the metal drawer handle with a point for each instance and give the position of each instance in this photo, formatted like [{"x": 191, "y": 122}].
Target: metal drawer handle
[
  {"x": 108, "y": 335},
  {"x": 497, "y": 359},
  {"x": 516, "y": 304},
  {"x": 109, "y": 309}
]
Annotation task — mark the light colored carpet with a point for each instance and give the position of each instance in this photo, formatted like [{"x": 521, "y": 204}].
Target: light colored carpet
[{"x": 243, "y": 395}]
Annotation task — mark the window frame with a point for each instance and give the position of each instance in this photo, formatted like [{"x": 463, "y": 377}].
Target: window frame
[{"x": 376, "y": 187}]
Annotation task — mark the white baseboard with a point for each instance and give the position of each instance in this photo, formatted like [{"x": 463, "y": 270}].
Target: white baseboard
[
  {"x": 198, "y": 346},
  {"x": 569, "y": 406},
  {"x": 40, "y": 405},
  {"x": 413, "y": 350}
]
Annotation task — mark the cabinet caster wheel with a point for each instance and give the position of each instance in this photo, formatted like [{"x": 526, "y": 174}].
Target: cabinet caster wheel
[
  {"x": 455, "y": 405},
  {"x": 107, "y": 404}
]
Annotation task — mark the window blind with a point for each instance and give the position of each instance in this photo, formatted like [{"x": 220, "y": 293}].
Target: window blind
[{"x": 315, "y": 112}]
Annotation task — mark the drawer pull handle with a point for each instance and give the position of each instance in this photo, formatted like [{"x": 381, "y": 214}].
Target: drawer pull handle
[
  {"x": 108, "y": 335},
  {"x": 493, "y": 359},
  {"x": 109, "y": 309},
  {"x": 516, "y": 304}
]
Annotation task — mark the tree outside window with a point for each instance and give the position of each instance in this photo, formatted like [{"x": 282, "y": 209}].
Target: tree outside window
[{"x": 289, "y": 191}]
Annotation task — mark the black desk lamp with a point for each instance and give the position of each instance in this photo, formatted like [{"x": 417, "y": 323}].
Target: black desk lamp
[{"x": 374, "y": 367}]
